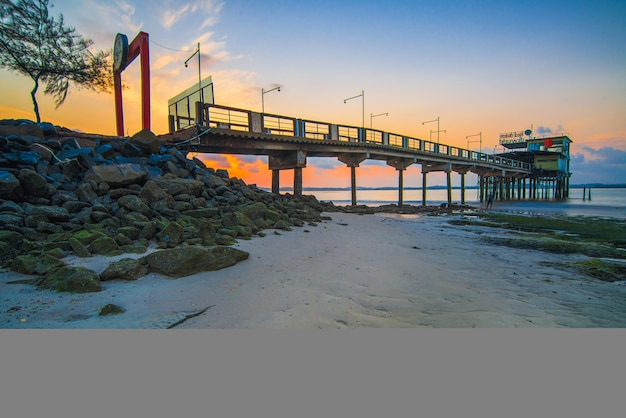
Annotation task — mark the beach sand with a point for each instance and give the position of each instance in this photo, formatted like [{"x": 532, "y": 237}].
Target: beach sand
[{"x": 356, "y": 271}]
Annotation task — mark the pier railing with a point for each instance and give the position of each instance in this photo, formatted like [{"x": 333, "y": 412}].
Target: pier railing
[{"x": 225, "y": 117}]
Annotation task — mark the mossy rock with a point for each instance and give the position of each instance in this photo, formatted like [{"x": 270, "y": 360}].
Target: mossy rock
[
  {"x": 284, "y": 225},
  {"x": 7, "y": 251},
  {"x": 12, "y": 238},
  {"x": 57, "y": 253},
  {"x": 253, "y": 210},
  {"x": 225, "y": 240},
  {"x": 181, "y": 262},
  {"x": 111, "y": 309},
  {"x": 122, "y": 240},
  {"x": 86, "y": 236},
  {"x": 124, "y": 269},
  {"x": 172, "y": 234},
  {"x": 72, "y": 279},
  {"x": 137, "y": 247},
  {"x": 79, "y": 248},
  {"x": 232, "y": 219},
  {"x": 131, "y": 232},
  {"x": 104, "y": 245},
  {"x": 35, "y": 264}
]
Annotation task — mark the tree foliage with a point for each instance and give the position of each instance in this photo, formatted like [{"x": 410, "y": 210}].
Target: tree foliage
[{"x": 37, "y": 45}]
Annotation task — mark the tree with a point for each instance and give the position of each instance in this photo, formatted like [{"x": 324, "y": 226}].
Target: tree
[{"x": 34, "y": 44}]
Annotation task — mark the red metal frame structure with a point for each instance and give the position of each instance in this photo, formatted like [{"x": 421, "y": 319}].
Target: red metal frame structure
[{"x": 138, "y": 47}]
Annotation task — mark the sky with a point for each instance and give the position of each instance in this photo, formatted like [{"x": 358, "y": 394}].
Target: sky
[{"x": 482, "y": 67}]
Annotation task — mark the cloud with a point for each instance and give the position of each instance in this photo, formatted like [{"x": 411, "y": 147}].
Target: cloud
[
  {"x": 606, "y": 155},
  {"x": 170, "y": 17},
  {"x": 544, "y": 130}
]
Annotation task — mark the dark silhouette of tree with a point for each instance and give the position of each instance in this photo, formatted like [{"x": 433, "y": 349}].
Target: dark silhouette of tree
[{"x": 34, "y": 44}]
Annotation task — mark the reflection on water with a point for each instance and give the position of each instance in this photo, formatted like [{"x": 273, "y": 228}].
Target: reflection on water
[{"x": 604, "y": 202}]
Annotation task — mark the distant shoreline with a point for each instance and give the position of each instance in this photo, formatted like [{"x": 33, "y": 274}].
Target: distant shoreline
[{"x": 330, "y": 189}]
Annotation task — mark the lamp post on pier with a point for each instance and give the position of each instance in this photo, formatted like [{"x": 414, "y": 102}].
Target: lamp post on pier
[
  {"x": 438, "y": 130},
  {"x": 263, "y": 92},
  {"x": 372, "y": 116},
  {"x": 200, "y": 92},
  {"x": 480, "y": 141},
  {"x": 362, "y": 96}
]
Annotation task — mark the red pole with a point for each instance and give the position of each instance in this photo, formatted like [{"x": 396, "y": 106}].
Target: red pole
[
  {"x": 138, "y": 47},
  {"x": 119, "y": 111},
  {"x": 145, "y": 80}
]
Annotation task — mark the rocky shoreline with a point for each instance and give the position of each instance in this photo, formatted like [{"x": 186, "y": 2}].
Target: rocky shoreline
[{"x": 68, "y": 193}]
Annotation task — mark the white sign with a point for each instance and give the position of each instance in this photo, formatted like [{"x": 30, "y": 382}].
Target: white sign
[{"x": 512, "y": 135}]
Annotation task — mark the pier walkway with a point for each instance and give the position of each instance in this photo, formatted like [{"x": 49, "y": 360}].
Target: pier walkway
[{"x": 288, "y": 141}]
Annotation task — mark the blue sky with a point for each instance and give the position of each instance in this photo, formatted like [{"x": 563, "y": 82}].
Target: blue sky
[{"x": 481, "y": 66}]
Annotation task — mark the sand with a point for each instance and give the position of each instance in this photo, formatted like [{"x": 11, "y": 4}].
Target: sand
[{"x": 354, "y": 271}]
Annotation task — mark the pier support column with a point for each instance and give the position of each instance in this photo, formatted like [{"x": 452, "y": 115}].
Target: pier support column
[
  {"x": 424, "y": 188},
  {"x": 353, "y": 161},
  {"x": 401, "y": 165},
  {"x": 400, "y": 188},
  {"x": 288, "y": 160},
  {"x": 297, "y": 181},
  {"x": 276, "y": 181},
  {"x": 462, "y": 188},
  {"x": 449, "y": 187}
]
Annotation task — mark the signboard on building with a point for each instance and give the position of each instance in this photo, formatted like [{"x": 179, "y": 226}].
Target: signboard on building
[{"x": 512, "y": 135}]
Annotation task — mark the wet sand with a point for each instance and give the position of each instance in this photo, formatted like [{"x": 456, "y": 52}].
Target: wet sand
[{"x": 356, "y": 271}]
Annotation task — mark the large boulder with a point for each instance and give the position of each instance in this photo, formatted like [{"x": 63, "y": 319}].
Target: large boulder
[
  {"x": 117, "y": 175},
  {"x": 181, "y": 262},
  {"x": 32, "y": 182},
  {"x": 72, "y": 279},
  {"x": 146, "y": 140},
  {"x": 124, "y": 269}
]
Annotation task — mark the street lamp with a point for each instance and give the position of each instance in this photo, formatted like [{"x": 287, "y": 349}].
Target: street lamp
[
  {"x": 263, "y": 91},
  {"x": 200, "y": 92},
  {"x": 431, "y": 132},
  {"x": 480, "y": 141},
  {"x": 372, "y": 116},
  {"x": 362, "y": 96}
]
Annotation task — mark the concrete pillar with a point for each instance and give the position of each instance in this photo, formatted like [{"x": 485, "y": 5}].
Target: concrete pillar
[
  {"x": 353, "y": 184},
  {"x": 297, "y": 181},
  {"x": 276, "y": 181},
  {"x": 449, "y": 184},
  {"x": 424, "y": 189},
  {"x": 400, "y": 188},
  {"x": 463, "y": 189}
]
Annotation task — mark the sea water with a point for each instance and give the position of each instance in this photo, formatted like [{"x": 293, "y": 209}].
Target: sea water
[{"x": 607, "y": 202}]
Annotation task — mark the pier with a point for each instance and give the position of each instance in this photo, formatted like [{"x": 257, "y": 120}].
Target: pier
[{"x": 289, "y": 141}]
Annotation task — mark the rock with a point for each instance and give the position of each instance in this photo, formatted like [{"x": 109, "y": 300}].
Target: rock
[
  {"x": 146, "y": 140},
  {"x": 32, "y": 183},
  {"x": 172, "y": 235},
  {"x": 30, "y": 264},
  {"x": 134, "y": 204},
  {"x": 79, "y": 248},
  {"x": 124, "y": 269},
  {"x": 8, "y": 184},
  {"x": 10, "y": 219},
  {"x": 117, "y": 175},
  {"x": 152, "y": 192},
  {"x": 29, "y": 129},
  {"x": 181, "y": 262},
  {"x": 85, "y": 193},
  {"x": 254, "y": 210},
  {"x": 175, "y": 186},
  {"x": 111, "y": 309},
  {"x": 72, "y": 279},
  {"x": 104, "y": 245}
]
